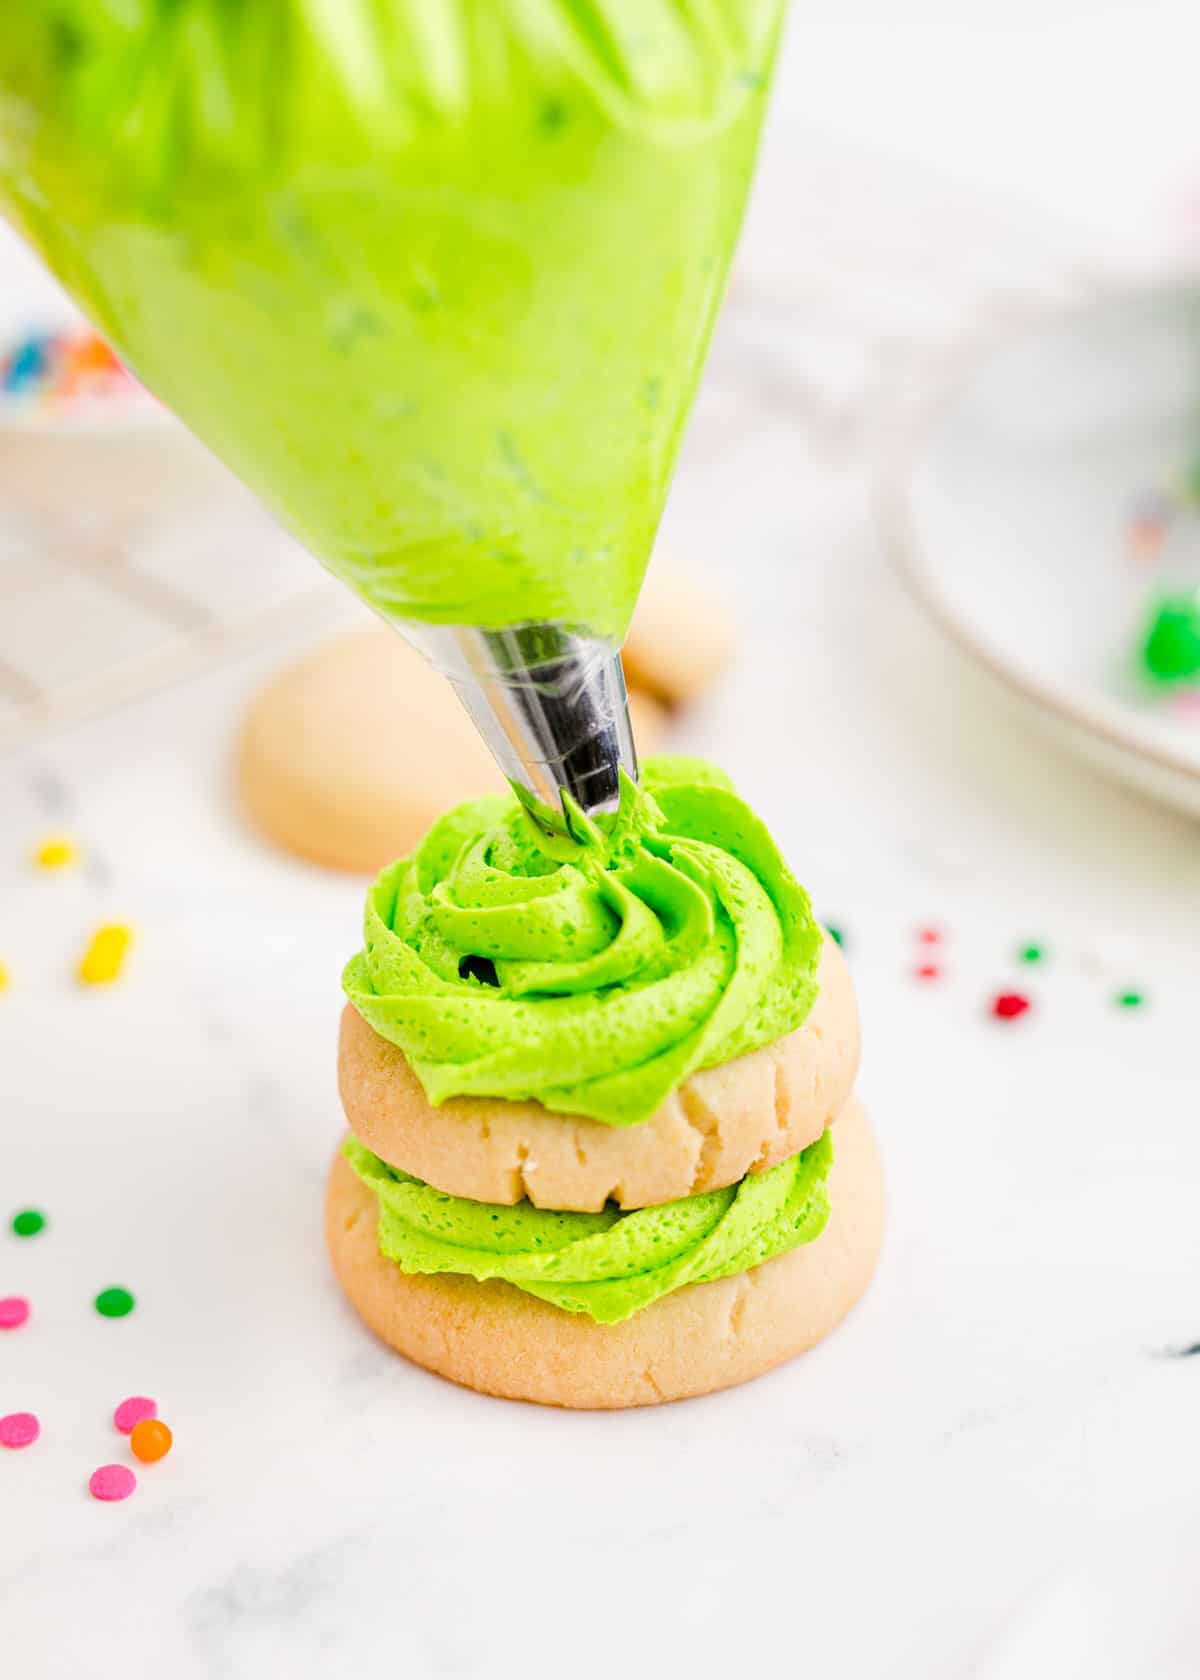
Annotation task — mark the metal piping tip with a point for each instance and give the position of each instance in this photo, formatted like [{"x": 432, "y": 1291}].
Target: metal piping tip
[{"x": 550, "y": 704}]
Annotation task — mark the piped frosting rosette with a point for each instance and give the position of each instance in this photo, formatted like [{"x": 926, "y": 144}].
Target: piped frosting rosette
[{"x": 591, "y": 973}]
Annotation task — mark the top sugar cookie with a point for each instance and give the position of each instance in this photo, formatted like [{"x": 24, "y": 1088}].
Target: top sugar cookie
[{"x": 720, "y": 1124}]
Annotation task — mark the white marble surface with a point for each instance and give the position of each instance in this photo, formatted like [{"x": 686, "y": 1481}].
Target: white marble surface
[
  {"x": 1005, "y": 1394},
  {"x": 878, "y": 1508}
]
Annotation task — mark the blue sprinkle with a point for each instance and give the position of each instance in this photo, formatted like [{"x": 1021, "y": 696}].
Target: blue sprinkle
[{"x": 26, "y": 365}]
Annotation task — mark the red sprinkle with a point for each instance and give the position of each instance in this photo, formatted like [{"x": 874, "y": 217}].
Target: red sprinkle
[
  {"x": 14, "y": 1311},
  {"x": 930, "y": 936},
  {"x": 928, "y": 971},
  {"x": 112, "y": 1481},
  {"x": 1007, "y": 1006}
]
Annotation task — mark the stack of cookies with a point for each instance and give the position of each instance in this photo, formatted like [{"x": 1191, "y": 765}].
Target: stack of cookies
[{"x": 627, "y": 1236}]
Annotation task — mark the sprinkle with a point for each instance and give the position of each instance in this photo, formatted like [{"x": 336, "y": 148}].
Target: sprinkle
[
  {"x": 88, "y": 354},
  {"x": 56, "y": 852},
  {"x": 150, "y": 1440},
  {"x": 1149, "y": 525},
  {"x": 927, "y": 971},
  {"x": 837, "y": 934},
  {"x": 133, "y": 1411},
  {"x": 1130, "y": 1000},
  {"x": 1146, "y": 540},
  {"x": 26, "y": 364},
  {"x": 1032, "y": 954},
  {"x": 5, "y": 981},
  {"x": 112, "y": 1481},
  {"x": 14, "y": 1311},
  {"x": 930, "y": 936},
  {"x": 28, "y": 1222},
  {"x": 1170, "y": 648},
  {"x": 105, "y": 955},
  {"x": 1007, "y": 1006},
  {"x": 19, "y": 1429},
  {"x": 114, "y": 1303},
  {"x": 52, "y": 369}
]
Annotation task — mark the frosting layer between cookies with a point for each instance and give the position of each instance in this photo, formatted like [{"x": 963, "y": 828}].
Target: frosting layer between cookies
[
  {"x": 590, "y": 974},
  {"x": 609, "y": 1265}
]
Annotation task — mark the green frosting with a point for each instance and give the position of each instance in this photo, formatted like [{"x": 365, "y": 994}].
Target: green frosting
[
  {"x": 591, "y": 974},
  {"x": 610, "y": 1264},
  {"x": 436, "y": 277}
]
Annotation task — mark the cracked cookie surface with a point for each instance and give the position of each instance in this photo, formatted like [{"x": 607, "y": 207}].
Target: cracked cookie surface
[
  {"x": 720, "y": 1124},
  {"x": 707, "y": 1336}
]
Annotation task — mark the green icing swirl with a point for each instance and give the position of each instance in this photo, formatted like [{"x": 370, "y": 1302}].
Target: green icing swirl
[
  {"x": 609, "y": 1264},
  {"x": 594, "y": 974}
]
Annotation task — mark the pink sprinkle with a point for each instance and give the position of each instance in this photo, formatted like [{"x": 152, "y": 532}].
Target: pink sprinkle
[
  {"x": 1146, "y": 537},
  {"x": 930, "y": 936},
  {"x": 112, "y": 1481},
  {"x": 14, "y": 1311},
  {"x": 928, "y": 971},
  {"x": 133, "y": 1410},
  {"x": 19, "y": 1429}
]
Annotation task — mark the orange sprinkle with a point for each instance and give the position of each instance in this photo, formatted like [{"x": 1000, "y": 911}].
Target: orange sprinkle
[
  {"x": 56, "y": 852},
  {"x": 105, "y": 956},
  {"x": 89, "y": 354},
  {"x": 150, "y": 1440}
]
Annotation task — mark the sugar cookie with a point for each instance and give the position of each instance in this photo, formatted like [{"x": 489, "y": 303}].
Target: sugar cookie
[
  {"x": 681, "y": 638},
  {"x": 502, "y": 1341},
  {"x": 719, "y": 1125},
  {"x": 348, "y": 755}
]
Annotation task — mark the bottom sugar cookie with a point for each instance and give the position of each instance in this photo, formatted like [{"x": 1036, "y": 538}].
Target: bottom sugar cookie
[{"x": 502, "y": 1341}]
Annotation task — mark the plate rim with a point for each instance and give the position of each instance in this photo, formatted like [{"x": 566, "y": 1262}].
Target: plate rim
[{"x": 896, "y": 520}]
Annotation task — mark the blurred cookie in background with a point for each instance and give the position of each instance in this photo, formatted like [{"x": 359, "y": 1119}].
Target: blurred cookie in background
[
  {"x": 681, "y": 639},
  {"x": 350, "y": 753}
]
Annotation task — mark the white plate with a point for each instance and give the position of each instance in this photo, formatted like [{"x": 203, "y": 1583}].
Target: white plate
[{"x": 1010, "y": 520}]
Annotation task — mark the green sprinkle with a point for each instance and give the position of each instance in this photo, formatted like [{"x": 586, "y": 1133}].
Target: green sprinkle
[
  {"x": 114, "y": 1303},
  {"x": 1032, "y": 953},
  {"x": 28, "y": 1222},
  {"x": 835, "y": 933},
  {"x": 1130, "y": 1000},
  {"x": 1170, "y": 649}
]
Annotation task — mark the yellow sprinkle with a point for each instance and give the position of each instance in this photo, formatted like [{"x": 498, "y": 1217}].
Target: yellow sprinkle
[
  {"x": 104, "y": 957},
  {"x": 3, "y": 978},
  {"x": 56, "y": 852}
]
